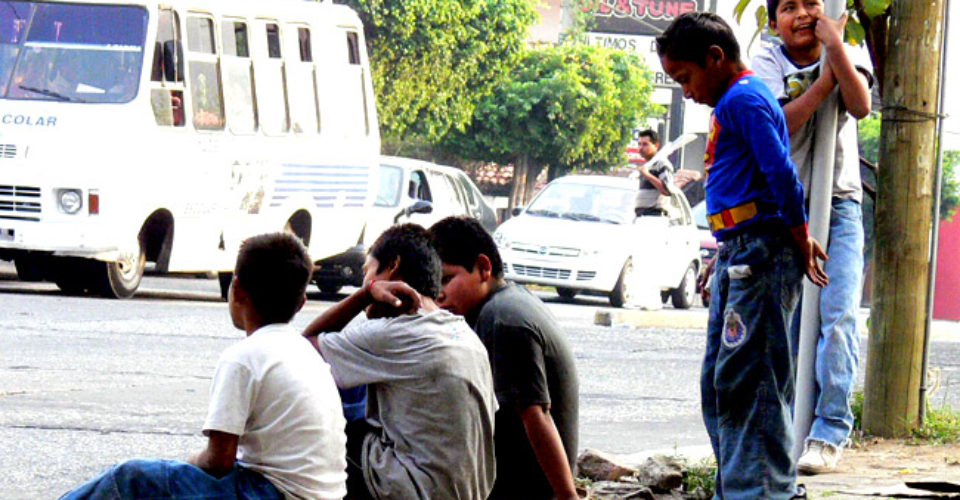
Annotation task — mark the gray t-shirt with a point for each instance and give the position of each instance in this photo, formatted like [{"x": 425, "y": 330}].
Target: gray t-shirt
[
  {"x": 649, "y": 195},
  {"x": 431, "y": 397},
  {"x": 788, "y": 81}
]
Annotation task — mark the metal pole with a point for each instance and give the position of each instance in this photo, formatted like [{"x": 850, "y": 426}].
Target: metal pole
[
  {"x": 821, "y": 191},
  {"x": 935, "y": 233}
]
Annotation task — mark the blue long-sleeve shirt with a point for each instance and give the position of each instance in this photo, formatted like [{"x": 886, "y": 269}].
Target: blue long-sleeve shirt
[{"x": 748, "y": 158}]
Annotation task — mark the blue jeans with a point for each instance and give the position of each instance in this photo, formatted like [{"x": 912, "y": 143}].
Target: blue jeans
[
  {"x": 171, "y": 479},
  {"x": 838, "y": 347},
  {"x": 747, "y": 380}
]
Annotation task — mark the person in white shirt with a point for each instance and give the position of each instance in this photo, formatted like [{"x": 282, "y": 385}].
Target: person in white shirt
[{"x": 274, "y": 426}]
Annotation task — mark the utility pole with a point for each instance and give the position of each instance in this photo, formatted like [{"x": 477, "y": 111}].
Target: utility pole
[{"x": 903, "y": 217}]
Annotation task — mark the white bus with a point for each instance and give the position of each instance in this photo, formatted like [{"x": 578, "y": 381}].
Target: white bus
[{"x": 137, "y": 132}]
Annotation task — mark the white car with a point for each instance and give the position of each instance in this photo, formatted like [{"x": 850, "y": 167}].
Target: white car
[
  {"x": 410, "y": 191},
  {"x": 580, "y": 234}
]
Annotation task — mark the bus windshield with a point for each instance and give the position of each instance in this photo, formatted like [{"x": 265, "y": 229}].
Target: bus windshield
[{"x": 71, "y": 52}]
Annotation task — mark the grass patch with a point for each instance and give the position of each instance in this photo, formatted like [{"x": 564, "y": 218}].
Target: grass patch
[
  {"x": 941, "y": 425},
  {"x": 699, "y": 478}
]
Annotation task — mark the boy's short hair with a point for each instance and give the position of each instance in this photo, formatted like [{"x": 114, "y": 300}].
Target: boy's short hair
[
  {"x": 772, "y": 9},
  {"x": 274, "y": 270},
  {"x": 652, "y": 134},
  {"x": 419, "y": 263},
  {"x": 460, "y": 240},
  {"x": 690, "y": 36}
]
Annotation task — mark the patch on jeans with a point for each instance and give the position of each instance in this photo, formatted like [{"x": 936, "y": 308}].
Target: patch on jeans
[
  {"x": 739, "y": 272},
  {"x": 734, "y": 331}
]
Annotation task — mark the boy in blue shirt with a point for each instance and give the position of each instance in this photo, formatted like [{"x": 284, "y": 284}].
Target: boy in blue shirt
[
  {"x": 755, "y": 209},
  {"x": 797, "y": 78}
]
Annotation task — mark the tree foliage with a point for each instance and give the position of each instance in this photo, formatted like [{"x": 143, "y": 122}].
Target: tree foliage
[
  {"x": 567, "y": 107},
  {"x": 433, "y": 60},
  {"x": 867, "y": 25}
]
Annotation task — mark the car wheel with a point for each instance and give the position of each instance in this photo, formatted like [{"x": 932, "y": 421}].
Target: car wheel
[
  {"x": 620, "y": 295},
  {"x": 567, "y": 293},
  {"x": 684, "y": 295},
  {"x": 225, "y": 279},
  {"x": 329, "y": 288}
]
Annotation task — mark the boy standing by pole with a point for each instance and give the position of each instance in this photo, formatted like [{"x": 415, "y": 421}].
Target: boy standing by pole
[
  {"x": 800, "y": 81},
  {"x": 755, "y": 207}
]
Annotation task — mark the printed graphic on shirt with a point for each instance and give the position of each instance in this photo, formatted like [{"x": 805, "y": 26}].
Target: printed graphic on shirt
[
  {"x": 795, "y": 84},
  {"x": 734, "y": 331},
  {"x": 710, "y": 153}
]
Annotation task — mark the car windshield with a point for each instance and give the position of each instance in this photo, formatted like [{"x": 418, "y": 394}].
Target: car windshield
[
  {"x": 583, "y": 202},
  {"x": 71, "y": 52}
]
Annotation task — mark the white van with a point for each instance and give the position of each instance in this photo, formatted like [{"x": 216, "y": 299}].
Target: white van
[
  {"x": 167, "y": 132},
  {"x": 410, "y": 191}
]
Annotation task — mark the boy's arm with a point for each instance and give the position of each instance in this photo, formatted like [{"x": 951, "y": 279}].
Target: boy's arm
[
  {"x": 340, "y": 314},
  {"x": 853, "y": 85},
  {"x": 218, "y": 457},
  {"x": 548, "y": 448}
]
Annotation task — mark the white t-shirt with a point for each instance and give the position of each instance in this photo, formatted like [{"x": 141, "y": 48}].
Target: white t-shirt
[
  {"x": 275, "y": 391},
  {"x": 788, "y": 81},
  {"x": 431, "y": 395}
]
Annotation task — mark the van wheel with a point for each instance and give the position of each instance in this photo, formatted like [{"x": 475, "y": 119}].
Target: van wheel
[
  {"x": 329, "y": 288},
  {"x": 72, "y": 275},
  {"x": 121, "y": 278},
  {"x": 567, "y": 293},
  {"x": 684, "y": 295},
  {"x": 620, "y": 295}
]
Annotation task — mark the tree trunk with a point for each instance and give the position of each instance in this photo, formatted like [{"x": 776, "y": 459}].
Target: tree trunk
[
  {"x": 524, "y": 181},
  {"x": 903, "y": 218}
]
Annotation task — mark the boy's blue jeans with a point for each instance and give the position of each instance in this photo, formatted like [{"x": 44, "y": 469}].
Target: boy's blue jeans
[
  {"x": 171, "y": 479},
  {"x": 747, "y": 378},
  {"x": 838, "y": 347}
]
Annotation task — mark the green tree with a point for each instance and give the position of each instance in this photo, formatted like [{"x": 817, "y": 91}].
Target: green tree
[
  {"x": 869, "y": 136},
  {"x": 433, "y": 60},
  {"x": 567, "y": 107},
  {"x": 949, "y": 185}
]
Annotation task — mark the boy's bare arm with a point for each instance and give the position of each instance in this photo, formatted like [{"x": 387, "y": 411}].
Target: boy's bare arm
[
  {"x": 218, "y": 457},
  {"x": 798, "y": 111},
  {"x": 394, "y": 293},
  {"x": 547, "y": 446},
  {"x": 853, "y": 85}
]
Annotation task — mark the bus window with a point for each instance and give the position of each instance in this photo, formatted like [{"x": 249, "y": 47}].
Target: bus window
[
  {"x": 166, "y": 93},
  {"x": 204, "y": 74},
  {"x": 301, "y": 82},
  {"x": 71, "y": 52},
  {"x": 237, "y": 77},
  {"x": 270, "y": 81},
  {"x": 354, "y": 86}
]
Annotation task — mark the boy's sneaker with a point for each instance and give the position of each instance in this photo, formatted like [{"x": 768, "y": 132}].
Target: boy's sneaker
[{"x": 818, "y": 457}]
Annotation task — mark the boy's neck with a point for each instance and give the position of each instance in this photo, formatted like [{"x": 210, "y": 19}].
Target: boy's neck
[
  {"x": 803, "y": 56},
  {"x": 733, "y": 70}
]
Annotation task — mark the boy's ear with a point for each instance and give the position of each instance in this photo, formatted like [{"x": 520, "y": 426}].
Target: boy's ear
[
  {"x": 772, "y": 23},
  {"x": 303, "y": 300},
  {"x": 393, "y": 269},
  {"x": 715, "y": 52},
  {"x": 483, "y": 265}
]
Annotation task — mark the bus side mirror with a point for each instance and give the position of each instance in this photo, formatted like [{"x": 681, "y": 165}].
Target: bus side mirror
[{"x": 172, "y": 61}]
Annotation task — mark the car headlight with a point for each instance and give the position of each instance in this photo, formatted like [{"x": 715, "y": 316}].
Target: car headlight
[{"x": 69, "y": 200}]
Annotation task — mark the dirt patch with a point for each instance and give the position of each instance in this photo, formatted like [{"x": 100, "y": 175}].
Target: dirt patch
[{"x": 881, "y": 462}]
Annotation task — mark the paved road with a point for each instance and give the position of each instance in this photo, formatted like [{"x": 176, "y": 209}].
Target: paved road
[{"x": 85, "y": 382}]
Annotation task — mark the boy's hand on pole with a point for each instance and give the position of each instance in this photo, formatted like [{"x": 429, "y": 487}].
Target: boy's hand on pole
[
  {"x": 830, "y": 31},
  {"x": 812, "y": 254}
]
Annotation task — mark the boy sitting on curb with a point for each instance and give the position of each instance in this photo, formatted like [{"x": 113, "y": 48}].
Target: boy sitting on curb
[{"x": 275, "y": 427}]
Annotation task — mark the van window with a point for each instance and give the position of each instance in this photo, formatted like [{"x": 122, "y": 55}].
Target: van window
[
  {"x": 419, "y": 189},
  {"x": 166, "y": 93},
  {"x": 388, "y": 195},
  {"x": 353, "y": 48},
  {"x": 467, "y": 189},
  {"x": 237, "y": 77},
  {"x": 204, "y": 74},
  {"x": 272, "y": 102},
  {"x": 302, "y": 82}
]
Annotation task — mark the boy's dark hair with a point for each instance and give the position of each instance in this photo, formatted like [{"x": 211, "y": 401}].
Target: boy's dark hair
[
  {"x": 652, "y": 134},
  {"x": 460, "y": 240},
  {"x": 419, "y": 263},
  {"x": 274, "y": 270},
  {"x": 772, "y": 9},
  {"x": 690, "y": 36}
]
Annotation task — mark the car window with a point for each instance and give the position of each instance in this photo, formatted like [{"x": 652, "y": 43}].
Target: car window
[
  {"x": 388, "y": 194},
  {"x": 419, "y": 189},
  {"x": 700, "y": 215},
  {"x": 608, "y": 204}
]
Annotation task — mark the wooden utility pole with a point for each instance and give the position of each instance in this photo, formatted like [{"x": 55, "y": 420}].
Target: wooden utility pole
[{"x": 903, "y": 217}]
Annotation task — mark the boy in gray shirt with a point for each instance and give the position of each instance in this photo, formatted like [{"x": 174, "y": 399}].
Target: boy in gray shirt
[{"x": 430, "y": 408}]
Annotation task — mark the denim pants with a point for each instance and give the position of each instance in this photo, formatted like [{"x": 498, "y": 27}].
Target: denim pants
[
  {"x": 838, "y": 346},
  {"x": 747, "y": 381},
  {"x": 171, "y": 479}
]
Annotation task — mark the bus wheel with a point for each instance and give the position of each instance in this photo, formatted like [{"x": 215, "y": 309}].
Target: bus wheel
[
  {"x": 29, "y": 268},
  {"x": 72, "y": 275},
  {"x": 120, "y": 279},
  {"x": 225, "y": 279}
]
